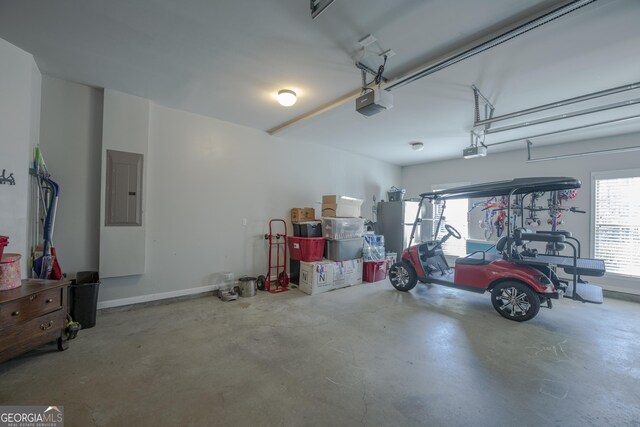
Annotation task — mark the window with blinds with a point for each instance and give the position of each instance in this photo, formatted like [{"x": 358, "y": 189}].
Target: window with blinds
[
  {"x": 456, "y": 216},
  {"x": 617, "y": 221}
]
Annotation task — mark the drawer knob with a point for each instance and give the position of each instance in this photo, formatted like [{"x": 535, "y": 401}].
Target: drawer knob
[
  {"x": 15, "y": 313},
  {"x": 33, "y": 297},
  {"x": 46, "y": 326},
  {"x": 49, "y": 300}
]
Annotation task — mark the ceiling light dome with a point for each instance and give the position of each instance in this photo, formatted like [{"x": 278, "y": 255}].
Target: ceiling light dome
[
  {"x": 416, "y": 146},
  {"x": 286, "y": 97}
]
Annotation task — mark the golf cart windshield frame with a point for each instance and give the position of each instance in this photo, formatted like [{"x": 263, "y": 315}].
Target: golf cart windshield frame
[{"x": 491, "y": 189}]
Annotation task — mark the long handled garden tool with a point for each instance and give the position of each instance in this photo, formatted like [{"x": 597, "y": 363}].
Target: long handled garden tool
[{"x": 46, "y": 266}]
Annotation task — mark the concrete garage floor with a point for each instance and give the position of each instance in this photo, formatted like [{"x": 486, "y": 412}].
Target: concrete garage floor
[{"x": 366, "y": 355}]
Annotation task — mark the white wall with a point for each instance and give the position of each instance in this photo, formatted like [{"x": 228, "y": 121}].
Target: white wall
[
  {"x": 204, "y": 176},
  {"x": 70, "y": 137},
  {"x": 19, "y": 132},
  {"x": 125, "y": 127},
  {"x": 512, "y": 164}
]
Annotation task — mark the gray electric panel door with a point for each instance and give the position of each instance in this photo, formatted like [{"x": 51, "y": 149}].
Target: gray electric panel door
[
  {"x": 395, "y": 221},
  {"x": 123, "y": 189}
]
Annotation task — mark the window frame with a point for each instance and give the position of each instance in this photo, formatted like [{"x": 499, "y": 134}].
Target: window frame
[{"x": 600, "y": 175}]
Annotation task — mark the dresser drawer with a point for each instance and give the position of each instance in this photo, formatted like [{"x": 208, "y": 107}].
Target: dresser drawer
[
  {"x": 29, "y": 307},
  {"x": 34, "y": 333}
]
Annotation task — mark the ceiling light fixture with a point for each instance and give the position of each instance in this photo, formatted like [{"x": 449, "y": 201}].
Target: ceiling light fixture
[
  {"x": 416, "y": 146},
  {"x": 286, "y": 97}
]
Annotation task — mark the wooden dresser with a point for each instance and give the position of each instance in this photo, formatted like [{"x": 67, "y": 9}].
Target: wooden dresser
[{"x": 32, "y": 315}]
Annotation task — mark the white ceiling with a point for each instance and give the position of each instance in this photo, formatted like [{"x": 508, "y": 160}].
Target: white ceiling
[{"x": 227, "y": 58}]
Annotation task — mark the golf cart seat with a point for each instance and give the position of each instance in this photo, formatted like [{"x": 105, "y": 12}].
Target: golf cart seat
[
  {"x": 512, "y": 244},
  {"x": 579, "y": 266},
  {"x": 478, "y": 258},
  {"x": 520, "y": 235},
  {"x": 584, "y": 266}
]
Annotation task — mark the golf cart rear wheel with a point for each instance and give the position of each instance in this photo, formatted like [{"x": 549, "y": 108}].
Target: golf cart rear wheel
[
  {"x": 402, "y": 276},
  {"x": 515, "y": 301}
]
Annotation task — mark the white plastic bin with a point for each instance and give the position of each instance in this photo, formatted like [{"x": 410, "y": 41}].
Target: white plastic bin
[{"x": 342, "y": 228}]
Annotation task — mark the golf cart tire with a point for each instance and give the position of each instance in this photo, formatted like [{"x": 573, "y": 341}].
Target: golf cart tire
[
  {"x": 395, "y": 275},
  {"x": 511, "y": 287}
]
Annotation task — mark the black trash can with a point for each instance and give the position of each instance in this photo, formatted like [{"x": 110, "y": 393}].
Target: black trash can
[{"x": 83, "y": 298}]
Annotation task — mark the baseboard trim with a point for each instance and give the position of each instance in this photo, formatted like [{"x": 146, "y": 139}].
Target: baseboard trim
[{"x": 156, "y": 297}]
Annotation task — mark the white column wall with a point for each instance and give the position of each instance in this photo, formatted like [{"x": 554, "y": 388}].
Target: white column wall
[
  {"x": 125, "y": 127},
  {"x": 71, "y": 139},
  {"x": 20, "y": 82}
]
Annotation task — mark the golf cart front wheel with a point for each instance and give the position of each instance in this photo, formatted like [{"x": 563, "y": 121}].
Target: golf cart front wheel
[
  {"x": 402, "y": 276},
  {"x": 515, "y": 301}
]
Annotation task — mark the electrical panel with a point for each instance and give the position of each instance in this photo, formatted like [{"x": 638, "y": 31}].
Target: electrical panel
[{"x": 123, "y": 189}]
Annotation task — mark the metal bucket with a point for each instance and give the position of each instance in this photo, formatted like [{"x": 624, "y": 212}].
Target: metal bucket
[{"x": 247, "y": 286}]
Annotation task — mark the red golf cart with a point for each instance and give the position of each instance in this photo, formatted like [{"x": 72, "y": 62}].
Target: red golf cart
[{"x": 519, "y": 279}]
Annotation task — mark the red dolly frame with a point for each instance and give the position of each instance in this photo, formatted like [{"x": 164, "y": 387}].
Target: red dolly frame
[{"x": 280, "y": 247}]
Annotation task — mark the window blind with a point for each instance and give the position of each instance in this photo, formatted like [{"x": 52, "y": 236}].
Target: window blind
[{"x": 617, "y": 224}]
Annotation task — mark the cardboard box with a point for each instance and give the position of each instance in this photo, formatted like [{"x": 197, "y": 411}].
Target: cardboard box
[
  {"x": 324, "y": 276},
  {"x": 338, "y": 275},
  {"x": 316, "y": 277},
  {"x": 352, "y": 271},
  {"x": 303, "y": 214},
  {"x": 341, "y": 206}
]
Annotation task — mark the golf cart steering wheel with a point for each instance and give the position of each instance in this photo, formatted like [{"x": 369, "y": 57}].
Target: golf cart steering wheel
[{"x": 453, "y": 232}]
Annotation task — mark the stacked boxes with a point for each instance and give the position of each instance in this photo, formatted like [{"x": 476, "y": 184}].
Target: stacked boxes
[
  {"x": 305, "y": 226},
  {"x": 342, "y": 230},
  {"x": 343, "y": 238}
]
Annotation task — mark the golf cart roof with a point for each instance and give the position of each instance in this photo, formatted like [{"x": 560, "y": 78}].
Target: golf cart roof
[{"x": 504, "y": 188}]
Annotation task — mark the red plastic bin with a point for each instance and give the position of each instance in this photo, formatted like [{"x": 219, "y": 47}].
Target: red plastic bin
[
  {"x": 374, "y": 271},
  {"x": 4, "y": 241},
  {"x": 308, "y": 249}
]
